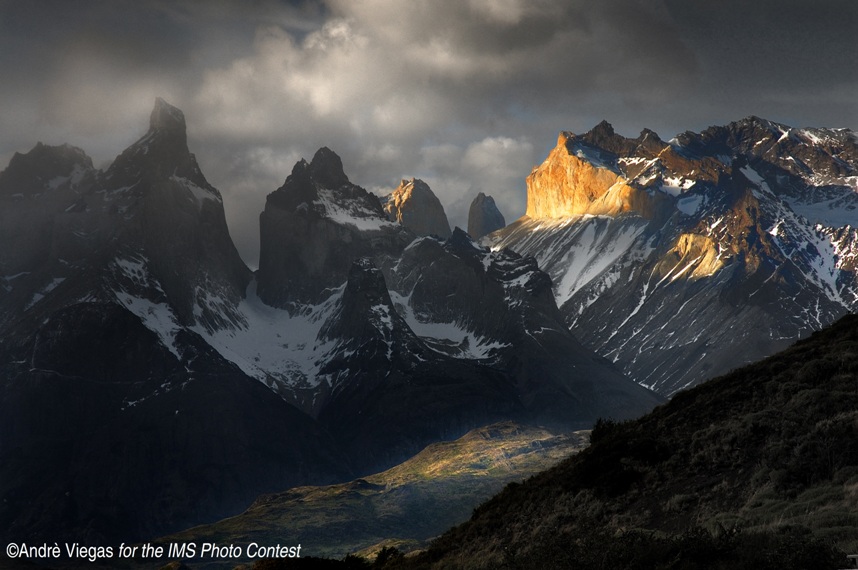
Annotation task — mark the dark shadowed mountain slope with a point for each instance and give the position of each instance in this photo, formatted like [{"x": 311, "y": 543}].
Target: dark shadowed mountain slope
[
  {"x": 108, "y": 435},
  {"x": 497, "y": 309},
  {"x": 118, "y": 419},
  {"x": 484, "y": 217}
]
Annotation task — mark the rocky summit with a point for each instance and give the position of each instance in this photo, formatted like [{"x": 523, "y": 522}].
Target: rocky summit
[
  {"x": 313, "y": 227},
  {"x": 680, "y": 260},
  {"x": 415, "y": 206},
  {"x": 484, "y": 216}
]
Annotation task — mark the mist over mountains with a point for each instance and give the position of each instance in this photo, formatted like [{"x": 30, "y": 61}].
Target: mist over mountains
[
  {"x": 180, "y": 385},
  {"x": 152, "y": 381}
]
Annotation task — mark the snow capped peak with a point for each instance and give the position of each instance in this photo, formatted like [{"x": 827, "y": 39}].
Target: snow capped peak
[
  {"x": 753, "y": 212},
  {"x": 754, "y": 121}
]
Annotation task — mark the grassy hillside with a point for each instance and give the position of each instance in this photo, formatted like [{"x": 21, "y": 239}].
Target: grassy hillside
[
  {"x": 401, "y": 507},
  {"x": 756, "y": 469}
]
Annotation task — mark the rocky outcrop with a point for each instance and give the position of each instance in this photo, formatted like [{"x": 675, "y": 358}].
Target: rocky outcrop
[
  {"x": 578, "y": 179},
  {"x": 501, "y": 305},
  {"x": 415, "y": 206},
  {"x": 313, "y": 228},
  {"x": 484, "y": 216}
]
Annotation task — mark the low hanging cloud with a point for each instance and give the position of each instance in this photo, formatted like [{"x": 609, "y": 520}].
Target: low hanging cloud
[
  {"x": 467, "y": 94},
  {"x": 451, "y": 92}
]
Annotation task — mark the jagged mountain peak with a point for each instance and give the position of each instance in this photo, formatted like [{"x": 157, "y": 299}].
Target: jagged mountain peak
[
  {"x": 161, "y": 153},
  {"x": 312, "y": 229},
  {"x": 415, "y": 206},
  {"x": 365, "y": 324},
  {"x": 44, "y": 167},
  {"x": 326, "y": 168},
  {"x": 320, "y": 188},
  {"x": 582, "y": 176},
  {"x": 365, "y": 277},
  {"x": 52, "y": 154},
  {"x": 167, "y": 118},
  {"x": 603, "y": 130},
  {"x": 484, "y": 217},
  {"x": 460, "y": 239}
]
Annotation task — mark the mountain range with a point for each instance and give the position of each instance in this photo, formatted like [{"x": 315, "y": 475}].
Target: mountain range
[
  {"x": 152, "y": 382},
  {"x": 680, "y": 260}
]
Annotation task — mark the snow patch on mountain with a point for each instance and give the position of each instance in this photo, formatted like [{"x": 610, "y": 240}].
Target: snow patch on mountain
[
  {"x": 594, "y": 156},
  {"x": 676, "y": 185},
  {"x": 274, "y": 345},
  {"x": 157, "y": 317},
  {"x": 589, "y": 254},
  {"x": 198, "y": 193},
  {"x": 838, "y": 209},
  {"x": 450, "y": 338},
  {"x": 352, "y": 212},
  {"x": 43, "y": 292},
  {"x": 138, "y": 291},
  {"x": 73, "y": 178},
  {"x": 690, "y": 205}
]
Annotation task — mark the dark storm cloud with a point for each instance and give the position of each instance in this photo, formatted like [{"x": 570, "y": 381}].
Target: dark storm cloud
[
  {"x": 795, "y": 61},
  {"x": 467, "y": 94}
]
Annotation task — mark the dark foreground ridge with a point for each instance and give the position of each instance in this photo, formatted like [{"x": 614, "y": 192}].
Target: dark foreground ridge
[{"x": 755, "y": 469}]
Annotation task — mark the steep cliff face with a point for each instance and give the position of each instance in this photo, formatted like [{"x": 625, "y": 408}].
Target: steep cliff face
[
  {"x": 579, "y": 178},
  {"x": 681, "y": 260},
  {"x": 171, "y": 217},
  {"x": 415, "y": 206},
  {"x": 484, "y": 216}
]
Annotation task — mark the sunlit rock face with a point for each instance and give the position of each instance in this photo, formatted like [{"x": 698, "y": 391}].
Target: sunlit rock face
[
  {"x": 680, "y": 260},
  {"x": 576, "y": 179},
  {"x": 415, "y": 206}
]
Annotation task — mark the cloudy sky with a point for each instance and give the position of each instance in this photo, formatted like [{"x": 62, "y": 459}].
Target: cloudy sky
[{"x": 468, "y": 95}]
